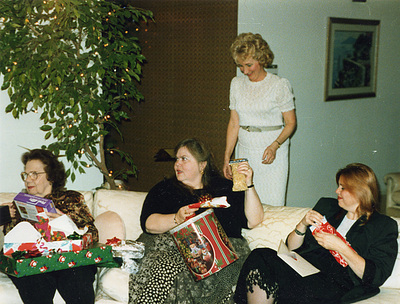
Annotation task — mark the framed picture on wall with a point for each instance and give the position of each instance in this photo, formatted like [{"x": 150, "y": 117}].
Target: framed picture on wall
[{"x": 351, "y": 61}]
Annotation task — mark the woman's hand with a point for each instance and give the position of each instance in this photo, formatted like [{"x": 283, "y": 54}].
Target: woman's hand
[
  {"x": 227, "y": 170},
  {"x": 270, "y": 153},
  {"x": 244, "y": 168},
  {"x": 313, "y": 218},
  {"x": 183, "y": 213},
  {"x": 53, "y": 216},
  {"x": 329, "y": 241}
]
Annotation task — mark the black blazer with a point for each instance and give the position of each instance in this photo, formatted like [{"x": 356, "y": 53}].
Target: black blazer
[{"x": 374, "y": 240}]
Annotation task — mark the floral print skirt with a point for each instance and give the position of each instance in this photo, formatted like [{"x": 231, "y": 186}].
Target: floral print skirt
[{"x": 163, "y": 276}]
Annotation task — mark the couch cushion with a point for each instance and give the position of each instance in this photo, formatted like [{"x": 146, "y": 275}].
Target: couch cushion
[
  {"x": 278, "y": 222},
  {"x": 128, "y": 204},
  {"x": 110, "y": 224},
  {"x": 114, "y": 283}
]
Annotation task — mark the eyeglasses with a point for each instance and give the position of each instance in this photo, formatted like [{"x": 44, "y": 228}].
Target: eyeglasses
[{"x": 33, "y": 175}]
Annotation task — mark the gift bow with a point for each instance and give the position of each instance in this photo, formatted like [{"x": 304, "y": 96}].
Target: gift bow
[{"x": 114, "y": 241}]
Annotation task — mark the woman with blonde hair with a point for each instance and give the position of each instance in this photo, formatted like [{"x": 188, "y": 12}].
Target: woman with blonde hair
[{"x": 262, "y": 118}]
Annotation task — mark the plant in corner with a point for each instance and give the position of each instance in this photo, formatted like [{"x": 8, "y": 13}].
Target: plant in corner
[{"x": 77, "y": 64}]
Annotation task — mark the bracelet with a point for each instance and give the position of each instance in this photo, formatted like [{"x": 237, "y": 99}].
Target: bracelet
[
  {"x": 251, "y": 186},
  {"x": 299, "y": 232},
  {"x": 175, "y": 220},
  {"x": 279, "y": 144}
]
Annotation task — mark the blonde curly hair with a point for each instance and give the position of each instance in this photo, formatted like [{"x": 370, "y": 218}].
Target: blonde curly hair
[{"x": 252, "y": 45}]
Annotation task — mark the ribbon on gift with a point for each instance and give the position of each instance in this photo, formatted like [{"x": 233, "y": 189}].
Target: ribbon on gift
[
  {"x": 75, "y": 236},
  {"x": 113, "y": 242},
  {"x": 328, "y": 228},
  {"x": 26, "y": 254}
]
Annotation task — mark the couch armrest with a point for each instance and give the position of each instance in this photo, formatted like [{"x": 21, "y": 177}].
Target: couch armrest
[{"x": 392, "y": 181}]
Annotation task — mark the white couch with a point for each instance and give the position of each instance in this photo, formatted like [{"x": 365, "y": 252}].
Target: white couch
[{"x": 112, "y": 284}]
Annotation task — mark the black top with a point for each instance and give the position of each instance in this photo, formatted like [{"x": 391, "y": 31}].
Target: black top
[
  {"x": 375, "y": 240},
  {"x": 169, "y": 195}
]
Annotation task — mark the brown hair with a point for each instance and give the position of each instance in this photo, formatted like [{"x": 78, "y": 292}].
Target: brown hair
[
  {"x": 252, "y": 45},
  {"x": 360, "y": 180},
  {"x": 201, "y": 153},
  {"x": 52, "y": 166}
]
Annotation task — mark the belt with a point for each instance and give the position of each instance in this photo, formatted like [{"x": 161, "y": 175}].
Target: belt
[{"x": 261, "y": 129}]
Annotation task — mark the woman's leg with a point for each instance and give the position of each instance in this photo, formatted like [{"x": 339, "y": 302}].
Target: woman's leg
[{"x": 259, "y": 296}]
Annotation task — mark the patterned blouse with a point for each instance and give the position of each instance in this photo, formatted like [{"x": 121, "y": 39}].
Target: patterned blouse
[{"x": 71, "y": 203}]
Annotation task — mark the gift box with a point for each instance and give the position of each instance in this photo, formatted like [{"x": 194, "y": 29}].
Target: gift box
[
  {"x": 30, "y": 205},
  {"x": 25, "y": 237},
  {"x": 20, "y": 266}
]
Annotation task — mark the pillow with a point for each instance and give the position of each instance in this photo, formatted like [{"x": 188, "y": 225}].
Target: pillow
[
  {"x": 110, "y": 225},
  {"x": 128, "y": 204},
  {"x": 114, "y": 282},
  {"x": 278, "y": 222}
]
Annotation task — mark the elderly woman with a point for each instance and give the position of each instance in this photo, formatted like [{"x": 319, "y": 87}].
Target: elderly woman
[
  {"x": 262, "y": 118},
  {"x": 265, "y": 278},
  {"x": 163, "y": 276},
  {"x": 45, "y": 176}
]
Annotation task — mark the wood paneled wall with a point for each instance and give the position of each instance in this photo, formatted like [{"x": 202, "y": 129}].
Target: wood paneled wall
[{"x": 185, "y": 83}]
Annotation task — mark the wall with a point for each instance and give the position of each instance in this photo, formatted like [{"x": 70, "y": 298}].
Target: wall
[
  {"x": 24, "y": 132},
  {"x": 331, "y": 134}
]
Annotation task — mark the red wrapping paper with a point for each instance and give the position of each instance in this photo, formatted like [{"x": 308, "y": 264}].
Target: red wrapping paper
[{"x": 326, "y": 227}]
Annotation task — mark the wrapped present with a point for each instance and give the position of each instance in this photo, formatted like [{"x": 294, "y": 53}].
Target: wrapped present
[
  {"x": 24, "y": 236},
  {"x": 128, "y": 251},
  {"x": 328, "y": 228},
  {"x": 24, "y": 264}
]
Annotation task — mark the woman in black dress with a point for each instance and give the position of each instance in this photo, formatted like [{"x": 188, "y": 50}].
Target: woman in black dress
[
  {"x": 265, "y": 278},
  {"x": 163, "y": 276}
]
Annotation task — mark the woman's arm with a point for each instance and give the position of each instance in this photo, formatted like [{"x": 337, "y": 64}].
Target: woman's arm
[
  {"x": 332, "y": 242},
  {"x": 296, "y": 238},
  {"x": 290, "y": 126},
  {"x": 159, "y": 223},
  {"x": 231, "y": 138},
  {"x": 252, "y": 205}
]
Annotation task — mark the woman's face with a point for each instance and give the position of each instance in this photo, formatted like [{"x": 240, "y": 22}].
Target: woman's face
[
  {"x": 346, "y": 200},
  {"x": 251, "y": 68},
  {"x": 188, "y": 169},
  {"x": 39, "y": 186}
]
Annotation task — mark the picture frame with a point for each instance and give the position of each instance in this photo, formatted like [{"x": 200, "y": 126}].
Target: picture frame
[{"x": 352, "y": 58}]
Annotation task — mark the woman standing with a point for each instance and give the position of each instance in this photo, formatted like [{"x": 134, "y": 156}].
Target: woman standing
[
  {"x": 266, "y": 278},
  {"x": 163, "y": 275},
  {"x": 262, "y": 118}
]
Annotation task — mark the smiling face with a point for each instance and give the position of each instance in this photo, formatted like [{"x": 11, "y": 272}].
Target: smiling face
[
  {"x": 347, "y": 200},
  {"x": 188, "y": 169},
  {"x": 40, "y": 186},
  {"x": 251, "y": 68}
]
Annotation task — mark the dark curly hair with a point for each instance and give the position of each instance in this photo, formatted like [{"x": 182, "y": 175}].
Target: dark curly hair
[{"x": 52, "y": 166}]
